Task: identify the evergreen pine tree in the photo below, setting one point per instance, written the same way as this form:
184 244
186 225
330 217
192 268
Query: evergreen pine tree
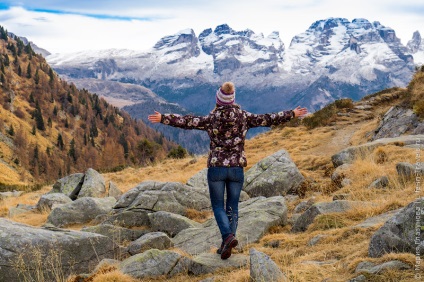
34 130
6 60
36 77
19 70
72 152
28 75
3 79
51 75
3 34
60 142
11 130
55 111
39 118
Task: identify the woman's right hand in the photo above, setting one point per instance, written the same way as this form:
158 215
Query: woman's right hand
155 118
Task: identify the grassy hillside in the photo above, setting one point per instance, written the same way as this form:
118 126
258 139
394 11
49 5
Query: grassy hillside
49 128
311 148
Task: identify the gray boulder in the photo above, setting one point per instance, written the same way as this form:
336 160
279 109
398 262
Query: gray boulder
407 171
116 233
256 216
8 194
151 263
316 239
199 180
128 218
376 220
164 196
372 268
82 210
399 234
69 185
395 122
309 215
170 223
276 175
65 251
48 200
263 268
381 182
349 154
209 263
114 191
93 185
153 240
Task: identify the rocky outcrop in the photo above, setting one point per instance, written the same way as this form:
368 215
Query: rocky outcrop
47 201
151 263
114 191
115 233
401 233
372 268
349 154
170 223
80 211
276 175
398 121
210 263
153 240
40 252
163 196
128 218
309 215
69 185
4 195
93 185
263 268
256 216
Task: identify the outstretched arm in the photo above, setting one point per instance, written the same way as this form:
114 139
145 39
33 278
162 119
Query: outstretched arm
255 120
185 122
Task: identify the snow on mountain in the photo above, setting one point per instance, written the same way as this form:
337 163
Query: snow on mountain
333 58
416 47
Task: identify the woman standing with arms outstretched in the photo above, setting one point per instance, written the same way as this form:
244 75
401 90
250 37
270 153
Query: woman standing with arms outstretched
226 126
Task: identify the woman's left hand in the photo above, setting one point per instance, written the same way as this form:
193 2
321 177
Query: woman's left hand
155 118
300 112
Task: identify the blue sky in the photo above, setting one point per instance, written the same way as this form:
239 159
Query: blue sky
67 26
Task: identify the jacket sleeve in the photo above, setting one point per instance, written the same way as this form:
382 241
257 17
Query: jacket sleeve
255 120
186 122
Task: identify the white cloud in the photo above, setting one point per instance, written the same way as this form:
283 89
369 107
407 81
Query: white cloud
67 32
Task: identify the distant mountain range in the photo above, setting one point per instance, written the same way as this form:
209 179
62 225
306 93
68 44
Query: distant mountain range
333 58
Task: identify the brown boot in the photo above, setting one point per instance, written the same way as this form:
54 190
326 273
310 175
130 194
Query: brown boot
219 251
229 243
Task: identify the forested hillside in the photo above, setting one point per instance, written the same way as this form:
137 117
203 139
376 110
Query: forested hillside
49 128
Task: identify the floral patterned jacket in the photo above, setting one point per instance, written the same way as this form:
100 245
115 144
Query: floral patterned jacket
227 127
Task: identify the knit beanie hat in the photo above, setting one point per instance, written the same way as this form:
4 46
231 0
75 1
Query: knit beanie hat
226 94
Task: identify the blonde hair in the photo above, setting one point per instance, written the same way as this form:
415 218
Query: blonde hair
228 87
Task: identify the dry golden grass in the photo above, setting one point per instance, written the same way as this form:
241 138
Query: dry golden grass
344 245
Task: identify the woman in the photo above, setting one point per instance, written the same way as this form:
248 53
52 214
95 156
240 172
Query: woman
227 126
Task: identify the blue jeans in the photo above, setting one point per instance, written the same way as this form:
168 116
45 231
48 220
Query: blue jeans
220 178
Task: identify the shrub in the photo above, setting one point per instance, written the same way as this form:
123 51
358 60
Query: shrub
178 153
322 117
344 103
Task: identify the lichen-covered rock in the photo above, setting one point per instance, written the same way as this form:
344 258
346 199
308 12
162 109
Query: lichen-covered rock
69 185
199 180
153 240
128 218
395 122
114 191
48 200
276 175
339 175
373 268
170 223
163 196
381 182
309 215
81 210
116 233
151 263
263 268
399 234
349 154
256 216
93 185
209 263
72 251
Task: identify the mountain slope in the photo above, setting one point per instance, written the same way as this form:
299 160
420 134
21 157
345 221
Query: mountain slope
49 128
